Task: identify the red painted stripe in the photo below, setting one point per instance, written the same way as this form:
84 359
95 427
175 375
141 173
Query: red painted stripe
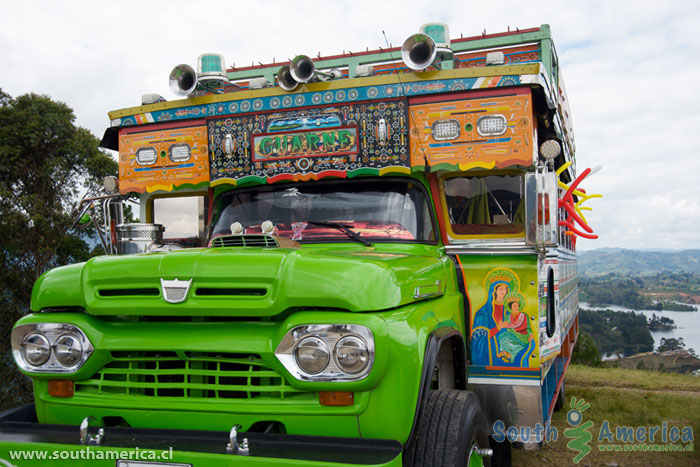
435 193
162 126
497 92
280 177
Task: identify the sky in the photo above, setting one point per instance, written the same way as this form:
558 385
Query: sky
631 70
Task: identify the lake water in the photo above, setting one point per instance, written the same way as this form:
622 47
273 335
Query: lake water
687 324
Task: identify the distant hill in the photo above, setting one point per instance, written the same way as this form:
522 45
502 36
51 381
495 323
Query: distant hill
637 262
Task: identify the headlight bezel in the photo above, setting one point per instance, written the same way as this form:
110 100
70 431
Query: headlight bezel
52 332
330 334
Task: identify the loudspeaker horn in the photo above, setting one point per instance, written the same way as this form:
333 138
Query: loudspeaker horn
285 79
183 80
418 52
302 68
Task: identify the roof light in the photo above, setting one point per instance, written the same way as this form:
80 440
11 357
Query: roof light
550 149
439 32
364 70
444 130
491 125
258 83
146 156
180 152
211 67
152 98
495 58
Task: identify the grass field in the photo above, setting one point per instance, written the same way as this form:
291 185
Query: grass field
629 398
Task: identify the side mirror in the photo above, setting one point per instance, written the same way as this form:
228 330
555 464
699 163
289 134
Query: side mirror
541 209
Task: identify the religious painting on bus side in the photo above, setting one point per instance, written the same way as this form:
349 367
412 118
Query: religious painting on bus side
163 157
310 143
479 130
504 325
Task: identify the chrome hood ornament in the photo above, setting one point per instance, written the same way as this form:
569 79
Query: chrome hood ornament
175 291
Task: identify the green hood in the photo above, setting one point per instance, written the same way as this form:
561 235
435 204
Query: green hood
245 281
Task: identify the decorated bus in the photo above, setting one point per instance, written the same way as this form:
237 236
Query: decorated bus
361 259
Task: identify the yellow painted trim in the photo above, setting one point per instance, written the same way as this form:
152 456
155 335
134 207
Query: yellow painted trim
395 169
552 355
159 187
223 181
477 72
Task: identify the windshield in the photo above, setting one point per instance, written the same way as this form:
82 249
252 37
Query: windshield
376 209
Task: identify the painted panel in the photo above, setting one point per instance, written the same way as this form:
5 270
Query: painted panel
260 101
504 316
568 291
312 143
550 346
338 142
163 174
463 148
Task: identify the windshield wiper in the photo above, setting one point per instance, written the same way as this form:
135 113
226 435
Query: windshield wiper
343 228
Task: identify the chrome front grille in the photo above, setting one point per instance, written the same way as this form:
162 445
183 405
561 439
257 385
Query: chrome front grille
188 375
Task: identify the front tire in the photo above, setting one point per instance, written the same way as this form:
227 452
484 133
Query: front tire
452 428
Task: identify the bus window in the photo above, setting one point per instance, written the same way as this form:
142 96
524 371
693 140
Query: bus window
485 205
184 218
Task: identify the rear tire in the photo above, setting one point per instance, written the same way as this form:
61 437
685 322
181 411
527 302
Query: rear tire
559 404
452 427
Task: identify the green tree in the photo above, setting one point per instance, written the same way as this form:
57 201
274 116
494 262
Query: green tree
45 162
586 352
671 343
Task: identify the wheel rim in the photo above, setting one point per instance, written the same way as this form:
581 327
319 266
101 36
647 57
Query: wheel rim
474 459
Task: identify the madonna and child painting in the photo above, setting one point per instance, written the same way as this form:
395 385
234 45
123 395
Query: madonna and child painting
501 333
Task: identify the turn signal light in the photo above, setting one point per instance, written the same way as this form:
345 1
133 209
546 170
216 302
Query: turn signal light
60 388
336 398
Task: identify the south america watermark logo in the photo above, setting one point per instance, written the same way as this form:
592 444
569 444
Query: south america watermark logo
662 437
579 432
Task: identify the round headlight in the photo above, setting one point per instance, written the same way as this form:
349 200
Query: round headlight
312 355
68 350
351 354
35 349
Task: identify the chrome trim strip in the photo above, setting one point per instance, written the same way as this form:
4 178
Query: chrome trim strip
509 382
428 290
488 248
